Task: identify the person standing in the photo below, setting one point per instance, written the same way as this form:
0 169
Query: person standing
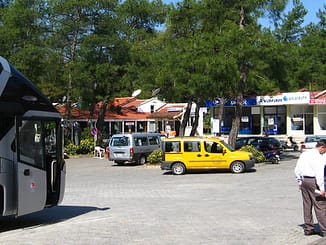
309 172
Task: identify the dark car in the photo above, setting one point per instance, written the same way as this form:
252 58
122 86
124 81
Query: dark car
261 143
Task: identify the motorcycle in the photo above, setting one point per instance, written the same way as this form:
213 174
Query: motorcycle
292 145
272 156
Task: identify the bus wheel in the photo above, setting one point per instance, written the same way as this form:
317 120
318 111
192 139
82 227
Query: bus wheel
178 168
142 160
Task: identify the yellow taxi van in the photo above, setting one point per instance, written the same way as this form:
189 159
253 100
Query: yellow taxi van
187 153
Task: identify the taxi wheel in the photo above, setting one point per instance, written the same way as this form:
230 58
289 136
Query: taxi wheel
178 168
237 167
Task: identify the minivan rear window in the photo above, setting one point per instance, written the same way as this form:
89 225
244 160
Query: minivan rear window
120 141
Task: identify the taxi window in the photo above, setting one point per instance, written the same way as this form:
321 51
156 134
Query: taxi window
172 146
213 147
191 146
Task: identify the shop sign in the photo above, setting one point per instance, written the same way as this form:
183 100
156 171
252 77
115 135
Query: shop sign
296 98
246 102
130 123
94 131
269 100
285 98
216 102
213 102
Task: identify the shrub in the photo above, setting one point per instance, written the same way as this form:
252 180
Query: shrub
86 146
259 156
155 157
71 149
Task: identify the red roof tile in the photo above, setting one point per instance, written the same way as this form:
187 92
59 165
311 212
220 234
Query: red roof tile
118 108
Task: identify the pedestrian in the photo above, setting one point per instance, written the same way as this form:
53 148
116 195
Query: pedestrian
309 173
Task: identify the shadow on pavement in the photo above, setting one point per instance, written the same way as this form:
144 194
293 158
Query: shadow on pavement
288 155
209 171
45 217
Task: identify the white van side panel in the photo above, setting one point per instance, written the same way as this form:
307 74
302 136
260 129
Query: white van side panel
130 147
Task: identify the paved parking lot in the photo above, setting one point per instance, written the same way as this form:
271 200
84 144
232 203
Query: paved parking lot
109 204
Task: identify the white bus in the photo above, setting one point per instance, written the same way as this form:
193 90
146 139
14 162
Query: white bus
32 166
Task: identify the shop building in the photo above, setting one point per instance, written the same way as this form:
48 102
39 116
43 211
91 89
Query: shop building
296 114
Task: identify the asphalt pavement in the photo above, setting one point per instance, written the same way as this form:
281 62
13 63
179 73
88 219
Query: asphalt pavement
109 204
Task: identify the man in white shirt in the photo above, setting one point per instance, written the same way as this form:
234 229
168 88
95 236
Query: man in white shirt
309 173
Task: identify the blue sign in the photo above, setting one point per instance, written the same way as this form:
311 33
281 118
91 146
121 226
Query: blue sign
216 102
94 131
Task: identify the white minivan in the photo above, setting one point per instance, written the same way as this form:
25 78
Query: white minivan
132 147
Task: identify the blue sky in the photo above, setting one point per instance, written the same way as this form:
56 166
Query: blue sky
311 5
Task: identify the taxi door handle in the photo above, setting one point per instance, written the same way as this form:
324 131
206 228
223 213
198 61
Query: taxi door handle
198 155
206 155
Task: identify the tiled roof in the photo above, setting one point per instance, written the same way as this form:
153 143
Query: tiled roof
125 109
126 102
165 115
169 111
318 95
112 112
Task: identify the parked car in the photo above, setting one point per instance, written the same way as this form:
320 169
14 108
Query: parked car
263 144
311 141
185 153
133 147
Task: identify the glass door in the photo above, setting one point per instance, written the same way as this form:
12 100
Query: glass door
53 155
31 174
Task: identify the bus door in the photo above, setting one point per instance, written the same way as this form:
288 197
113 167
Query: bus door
31 171
39 156
53 158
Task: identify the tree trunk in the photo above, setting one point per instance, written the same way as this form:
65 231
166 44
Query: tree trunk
185 119
238 109
241 86
221 109
100 123
195 123
236 121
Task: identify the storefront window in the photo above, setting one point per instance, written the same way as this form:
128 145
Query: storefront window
116 127
226 123
322 121
274 120
245 121
142 126
129 126
322 116
302 118
297 122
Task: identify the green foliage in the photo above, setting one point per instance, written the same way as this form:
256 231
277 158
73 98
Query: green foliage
155 157
259 156
91 50
86 134
86 147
